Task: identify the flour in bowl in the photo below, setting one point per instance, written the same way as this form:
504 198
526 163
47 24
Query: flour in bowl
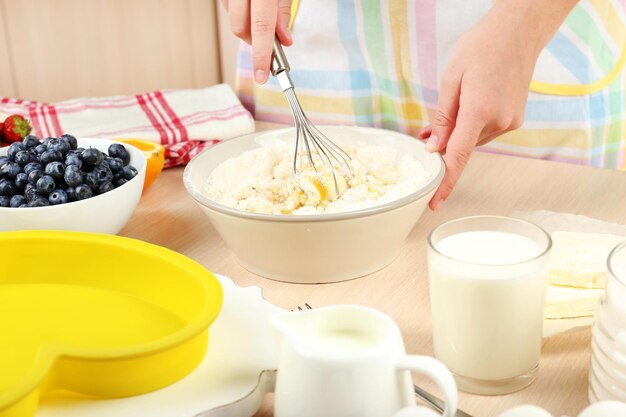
262 181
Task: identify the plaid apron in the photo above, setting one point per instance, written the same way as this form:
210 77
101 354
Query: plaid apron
378 63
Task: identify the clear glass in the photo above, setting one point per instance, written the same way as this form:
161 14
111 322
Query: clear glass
488 316
607 376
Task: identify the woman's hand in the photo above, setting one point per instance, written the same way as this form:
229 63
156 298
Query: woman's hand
257 22
484 86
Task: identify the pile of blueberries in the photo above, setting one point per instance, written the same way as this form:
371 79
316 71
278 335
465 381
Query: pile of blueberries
55 171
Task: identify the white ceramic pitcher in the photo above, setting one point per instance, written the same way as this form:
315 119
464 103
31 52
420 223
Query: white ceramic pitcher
347 361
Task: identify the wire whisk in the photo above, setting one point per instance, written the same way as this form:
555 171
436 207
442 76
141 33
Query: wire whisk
313 148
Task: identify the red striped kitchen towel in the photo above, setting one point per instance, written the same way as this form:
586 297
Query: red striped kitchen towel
184 121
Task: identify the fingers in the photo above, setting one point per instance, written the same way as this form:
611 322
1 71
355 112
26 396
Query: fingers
458 152
258 22
263 16
425 132
446 115
239 13
502 126
486 139
282 22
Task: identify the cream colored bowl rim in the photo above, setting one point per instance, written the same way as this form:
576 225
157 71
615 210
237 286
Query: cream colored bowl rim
301 218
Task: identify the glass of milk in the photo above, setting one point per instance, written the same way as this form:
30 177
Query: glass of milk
607 376
487 292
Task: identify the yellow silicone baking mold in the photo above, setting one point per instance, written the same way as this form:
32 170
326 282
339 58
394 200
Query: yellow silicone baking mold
98 315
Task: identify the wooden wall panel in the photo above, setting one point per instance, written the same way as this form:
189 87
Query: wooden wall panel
204 36
229 45
71 48
7 88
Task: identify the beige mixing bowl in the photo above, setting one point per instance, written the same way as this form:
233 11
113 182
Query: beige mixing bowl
323 247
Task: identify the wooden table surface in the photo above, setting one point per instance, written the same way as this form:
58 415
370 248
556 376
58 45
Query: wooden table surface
492 184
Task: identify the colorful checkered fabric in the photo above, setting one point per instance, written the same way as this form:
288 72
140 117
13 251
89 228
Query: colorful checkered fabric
378 63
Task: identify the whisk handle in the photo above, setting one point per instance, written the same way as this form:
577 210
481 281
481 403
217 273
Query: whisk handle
280 66
279 60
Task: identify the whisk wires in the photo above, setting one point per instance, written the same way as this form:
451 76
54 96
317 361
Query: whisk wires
310 141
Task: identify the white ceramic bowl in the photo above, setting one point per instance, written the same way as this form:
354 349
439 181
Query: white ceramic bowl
323 247
104 213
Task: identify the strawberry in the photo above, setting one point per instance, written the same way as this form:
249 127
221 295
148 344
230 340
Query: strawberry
15 128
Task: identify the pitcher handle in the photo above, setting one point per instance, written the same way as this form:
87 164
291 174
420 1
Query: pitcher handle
436 371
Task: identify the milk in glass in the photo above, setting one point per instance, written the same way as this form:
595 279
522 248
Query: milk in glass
487 292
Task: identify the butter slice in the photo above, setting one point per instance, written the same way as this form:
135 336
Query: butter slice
567 302
579 259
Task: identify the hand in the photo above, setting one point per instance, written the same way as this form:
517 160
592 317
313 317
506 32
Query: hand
257 22
484 87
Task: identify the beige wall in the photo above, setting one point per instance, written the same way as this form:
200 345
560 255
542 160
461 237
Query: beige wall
57 49
6 77
229 46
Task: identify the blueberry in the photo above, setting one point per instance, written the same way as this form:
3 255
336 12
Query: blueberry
91 180
60 146
17 200
91 156
47 141
58 197
39 202
7 188
39 149
73 175
115 164
22 158
4 160
14 149
10 170
30 141
79 150
71 140
55 170
117 150
73 159
105 187
30 193
34 176
45 185
130 172
120 181
82 192
32 166
103 173
71 193
21 180
51 156
5 201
